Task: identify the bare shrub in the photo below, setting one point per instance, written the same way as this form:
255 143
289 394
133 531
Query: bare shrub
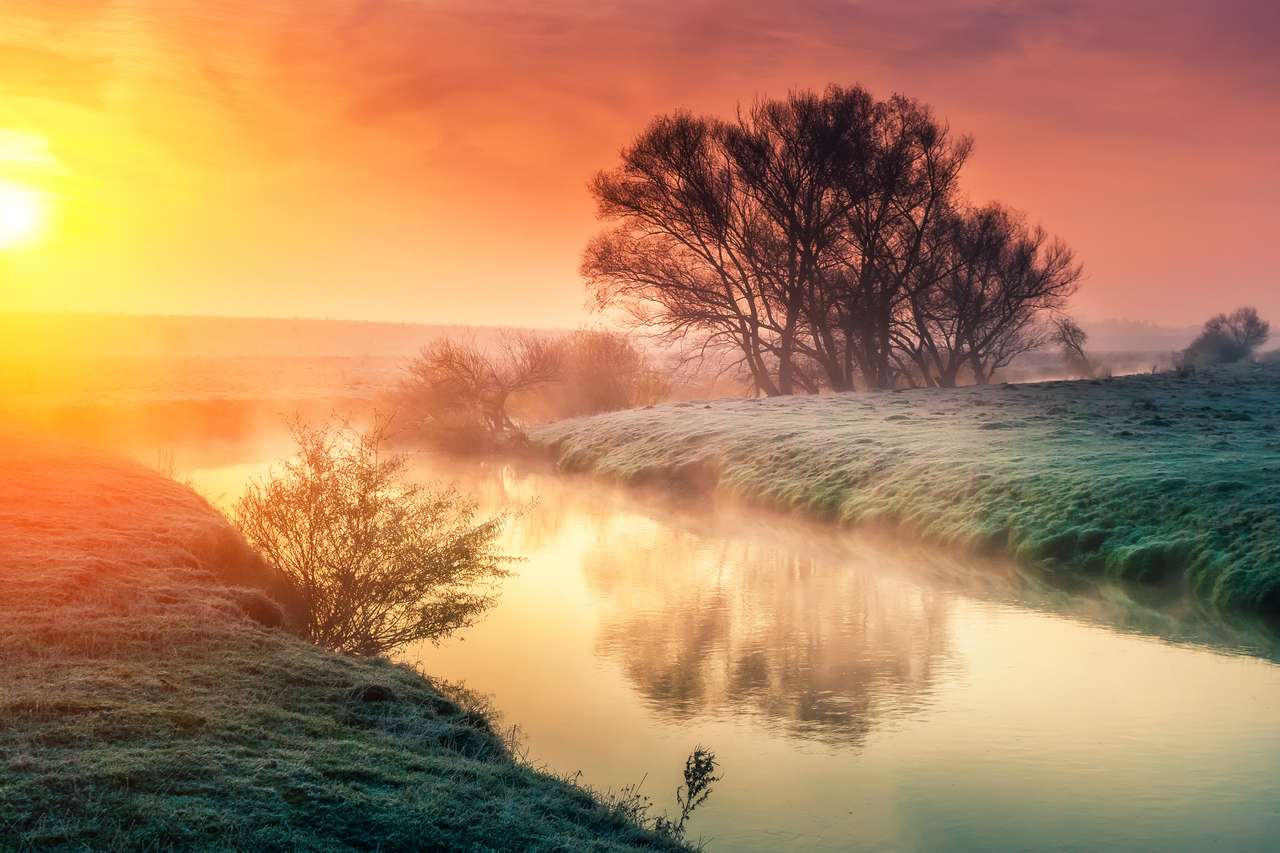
469 399
379 562
1228 338
458 394
604 371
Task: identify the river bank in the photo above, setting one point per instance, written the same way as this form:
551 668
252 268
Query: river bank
150 699
862 692
1171 483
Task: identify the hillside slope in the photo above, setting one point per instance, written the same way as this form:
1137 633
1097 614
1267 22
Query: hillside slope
1157 479
140 708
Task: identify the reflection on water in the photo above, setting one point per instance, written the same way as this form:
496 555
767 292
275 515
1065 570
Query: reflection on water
861 693
747 627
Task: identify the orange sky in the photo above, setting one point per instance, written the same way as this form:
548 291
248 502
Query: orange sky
427 159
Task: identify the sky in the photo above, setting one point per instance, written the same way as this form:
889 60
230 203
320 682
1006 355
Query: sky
427 160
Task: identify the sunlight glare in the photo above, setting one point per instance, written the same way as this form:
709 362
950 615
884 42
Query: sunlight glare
22 214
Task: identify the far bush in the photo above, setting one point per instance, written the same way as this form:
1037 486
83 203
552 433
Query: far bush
1228 338
378 561
465 397
458 393
604 371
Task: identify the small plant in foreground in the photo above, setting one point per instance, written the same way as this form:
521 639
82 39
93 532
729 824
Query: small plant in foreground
379 562
699 777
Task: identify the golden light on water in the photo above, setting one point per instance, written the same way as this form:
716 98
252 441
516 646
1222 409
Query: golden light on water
23 212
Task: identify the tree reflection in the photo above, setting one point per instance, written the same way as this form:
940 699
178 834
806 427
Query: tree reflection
746 626
822 633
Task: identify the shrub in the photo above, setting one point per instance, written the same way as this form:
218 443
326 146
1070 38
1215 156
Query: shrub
458 393
604 371
1228 338
466 398
378 562
1213 347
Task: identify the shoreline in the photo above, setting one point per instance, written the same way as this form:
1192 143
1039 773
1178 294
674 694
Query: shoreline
1113 479
146 706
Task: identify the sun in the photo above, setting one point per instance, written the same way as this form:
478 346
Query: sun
22 214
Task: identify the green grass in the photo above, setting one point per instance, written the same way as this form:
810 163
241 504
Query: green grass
1158 480
141 708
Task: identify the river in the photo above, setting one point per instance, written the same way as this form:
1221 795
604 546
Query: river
861 693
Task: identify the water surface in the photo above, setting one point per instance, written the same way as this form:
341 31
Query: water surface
861 694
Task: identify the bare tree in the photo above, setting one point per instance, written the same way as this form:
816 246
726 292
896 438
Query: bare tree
996 279
379 562
899 197
1071 339
1035 275
676 256
1243 326
459 392
820 238
794 159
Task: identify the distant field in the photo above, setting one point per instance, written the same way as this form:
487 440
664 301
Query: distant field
1170 483
118 379
44 337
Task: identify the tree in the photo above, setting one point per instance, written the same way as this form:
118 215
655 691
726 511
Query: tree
898 199
1228 338
678 255
1071 339
991 281
798 161
458 393
1243 326
821 240
378 561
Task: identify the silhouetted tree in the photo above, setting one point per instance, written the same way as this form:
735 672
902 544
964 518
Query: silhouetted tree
820 238
678 256
899 198
991 281
800 164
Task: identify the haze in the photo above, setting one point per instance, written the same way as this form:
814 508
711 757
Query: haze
427 161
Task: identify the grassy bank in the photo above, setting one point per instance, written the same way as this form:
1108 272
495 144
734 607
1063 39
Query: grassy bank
1165 481
145 701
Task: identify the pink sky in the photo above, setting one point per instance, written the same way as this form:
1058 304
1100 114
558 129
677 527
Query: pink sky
424 160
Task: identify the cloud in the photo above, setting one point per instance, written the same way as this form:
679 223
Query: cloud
1128 126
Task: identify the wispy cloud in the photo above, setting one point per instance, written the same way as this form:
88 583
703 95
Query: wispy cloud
1098 115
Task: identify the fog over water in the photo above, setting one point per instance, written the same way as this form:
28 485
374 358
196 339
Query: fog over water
859 691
